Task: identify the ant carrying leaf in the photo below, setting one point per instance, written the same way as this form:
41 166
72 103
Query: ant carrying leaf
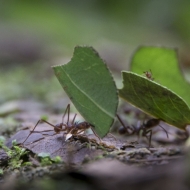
149 74
145 129
71 128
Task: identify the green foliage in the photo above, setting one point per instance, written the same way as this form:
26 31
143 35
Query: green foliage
45 159
155 99
164 94
44 117
15 155
46 90
164 66
182 22
57 159
90 86
2 140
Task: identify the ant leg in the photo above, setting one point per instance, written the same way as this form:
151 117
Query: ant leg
67 110
124 124
132 129
80 131
138 134
73 119
121 121
77 132
71 130
112 136
164 130
32 130
96 134
70 134
49 124
36 126
150 137
186 133
68 113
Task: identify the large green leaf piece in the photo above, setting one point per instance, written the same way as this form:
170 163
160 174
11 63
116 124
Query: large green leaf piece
90 86
155 99
163 62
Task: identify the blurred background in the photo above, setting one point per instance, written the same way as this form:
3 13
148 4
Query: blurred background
35 35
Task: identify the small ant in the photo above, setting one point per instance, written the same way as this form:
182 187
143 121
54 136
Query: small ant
71 128
143 129
149 74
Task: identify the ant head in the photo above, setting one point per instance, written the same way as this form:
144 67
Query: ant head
122 130
58 127
152 123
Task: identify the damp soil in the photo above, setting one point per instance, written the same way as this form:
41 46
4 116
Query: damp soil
114 162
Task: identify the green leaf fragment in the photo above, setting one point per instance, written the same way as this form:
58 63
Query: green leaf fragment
164 65
90 86
155 99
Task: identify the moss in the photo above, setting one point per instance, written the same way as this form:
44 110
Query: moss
15 154
45 159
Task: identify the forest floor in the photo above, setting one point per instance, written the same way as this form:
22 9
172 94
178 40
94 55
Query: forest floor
84 161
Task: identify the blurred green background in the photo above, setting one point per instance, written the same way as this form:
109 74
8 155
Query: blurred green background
34 35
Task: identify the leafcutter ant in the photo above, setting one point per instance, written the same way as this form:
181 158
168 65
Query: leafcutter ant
71 128
145 129
149 74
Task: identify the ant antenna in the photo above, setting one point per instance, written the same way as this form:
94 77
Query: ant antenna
74 119
121 121
57 129
36 126
68 108
124 124
164 131
95 132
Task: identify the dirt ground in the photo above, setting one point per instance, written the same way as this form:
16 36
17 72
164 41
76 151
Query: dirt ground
114 162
